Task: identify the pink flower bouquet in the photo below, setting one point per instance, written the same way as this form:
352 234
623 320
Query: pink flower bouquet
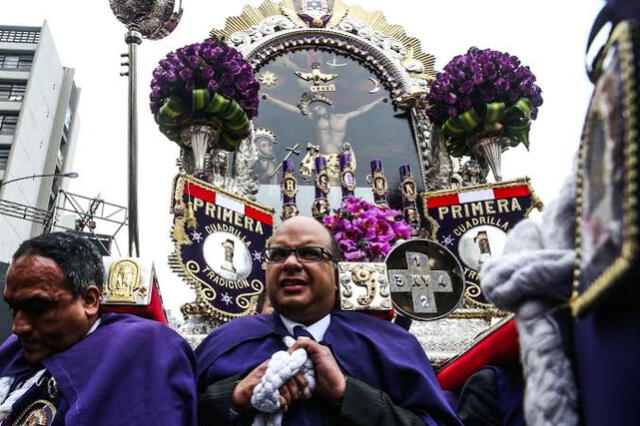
366 232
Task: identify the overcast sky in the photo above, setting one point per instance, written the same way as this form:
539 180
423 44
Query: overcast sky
549 36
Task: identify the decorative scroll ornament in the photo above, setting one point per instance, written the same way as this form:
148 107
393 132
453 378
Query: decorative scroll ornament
473 222
270 19
364 286
425 278
222 259
154 19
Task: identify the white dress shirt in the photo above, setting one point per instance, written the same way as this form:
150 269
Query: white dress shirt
317 329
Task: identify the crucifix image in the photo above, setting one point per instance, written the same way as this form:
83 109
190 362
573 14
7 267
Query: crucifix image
330 127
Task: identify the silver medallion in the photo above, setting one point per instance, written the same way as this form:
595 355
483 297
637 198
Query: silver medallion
425 279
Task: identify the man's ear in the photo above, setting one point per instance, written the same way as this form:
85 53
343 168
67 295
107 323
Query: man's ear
91 300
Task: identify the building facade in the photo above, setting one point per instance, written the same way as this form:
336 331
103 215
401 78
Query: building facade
38 119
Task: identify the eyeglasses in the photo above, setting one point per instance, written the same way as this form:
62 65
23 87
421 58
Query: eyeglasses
305 254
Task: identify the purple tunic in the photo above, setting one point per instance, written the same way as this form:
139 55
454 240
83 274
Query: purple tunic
129 371
376 352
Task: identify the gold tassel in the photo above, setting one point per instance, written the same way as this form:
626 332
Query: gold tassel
190 218
178 232
179 208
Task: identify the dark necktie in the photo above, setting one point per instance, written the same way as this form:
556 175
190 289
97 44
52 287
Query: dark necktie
300 331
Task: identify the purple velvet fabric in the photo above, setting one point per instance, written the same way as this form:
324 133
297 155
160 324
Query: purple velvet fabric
625 9
510 394
129 371
607 358
374 351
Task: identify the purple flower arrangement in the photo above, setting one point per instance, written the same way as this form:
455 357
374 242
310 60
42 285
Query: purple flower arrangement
208 65
478 79
365 231
202 81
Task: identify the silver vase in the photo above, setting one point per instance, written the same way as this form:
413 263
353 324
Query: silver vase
200 138
491 149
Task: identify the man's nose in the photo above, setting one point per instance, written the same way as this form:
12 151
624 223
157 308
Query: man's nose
21 324
292 262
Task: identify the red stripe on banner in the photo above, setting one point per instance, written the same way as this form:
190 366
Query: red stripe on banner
511 191
258 215
200 192
442 200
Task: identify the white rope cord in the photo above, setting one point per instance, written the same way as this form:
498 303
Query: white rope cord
282 367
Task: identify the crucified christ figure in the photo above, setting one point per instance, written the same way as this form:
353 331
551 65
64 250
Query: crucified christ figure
331 128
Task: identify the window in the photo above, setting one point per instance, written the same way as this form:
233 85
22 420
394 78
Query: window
4 156
8 123
19 36
12 91
19 61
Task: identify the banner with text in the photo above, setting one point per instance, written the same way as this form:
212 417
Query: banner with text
473 222
219 238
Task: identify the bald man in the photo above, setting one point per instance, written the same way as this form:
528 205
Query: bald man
368 371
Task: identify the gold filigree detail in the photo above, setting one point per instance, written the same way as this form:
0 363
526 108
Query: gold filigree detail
204 293
37 416
474 290
378 22
250 17
253 16
622 37
124 281
289 184
362 277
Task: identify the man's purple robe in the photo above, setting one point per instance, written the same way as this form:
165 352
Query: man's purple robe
371 350
128 371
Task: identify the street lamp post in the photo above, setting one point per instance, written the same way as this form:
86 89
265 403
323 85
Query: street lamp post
154 20
50 212
71 175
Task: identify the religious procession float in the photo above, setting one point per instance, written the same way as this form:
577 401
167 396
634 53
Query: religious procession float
327 110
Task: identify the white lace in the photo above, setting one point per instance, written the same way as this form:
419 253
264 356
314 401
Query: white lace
282 367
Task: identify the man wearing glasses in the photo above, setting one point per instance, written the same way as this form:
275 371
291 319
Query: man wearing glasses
367 371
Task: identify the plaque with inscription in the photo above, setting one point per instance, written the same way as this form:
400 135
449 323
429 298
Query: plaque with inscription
219 238
473 223
425 279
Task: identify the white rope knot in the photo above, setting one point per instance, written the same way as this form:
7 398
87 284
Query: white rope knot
281 367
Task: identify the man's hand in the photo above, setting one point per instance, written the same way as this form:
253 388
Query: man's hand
330 382
293 389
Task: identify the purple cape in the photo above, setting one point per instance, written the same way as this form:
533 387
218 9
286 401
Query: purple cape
129 371
374 351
